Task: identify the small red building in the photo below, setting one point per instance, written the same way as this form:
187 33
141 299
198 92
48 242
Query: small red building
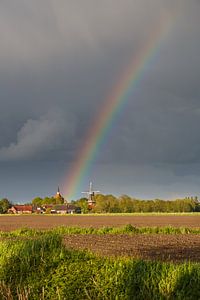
21 209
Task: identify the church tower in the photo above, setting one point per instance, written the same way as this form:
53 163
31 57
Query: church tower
59 196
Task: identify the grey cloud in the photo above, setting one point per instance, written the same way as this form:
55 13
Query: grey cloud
35 32
69 55
164 129
38 138
168 181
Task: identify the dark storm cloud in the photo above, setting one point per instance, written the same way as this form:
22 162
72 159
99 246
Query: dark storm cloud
60 60
38 138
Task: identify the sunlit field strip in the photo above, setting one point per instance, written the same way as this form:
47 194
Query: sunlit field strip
110 214
127 229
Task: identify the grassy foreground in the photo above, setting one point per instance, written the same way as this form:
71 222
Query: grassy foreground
42 268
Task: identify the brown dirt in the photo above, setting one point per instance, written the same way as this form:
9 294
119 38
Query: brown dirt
162 247
8 223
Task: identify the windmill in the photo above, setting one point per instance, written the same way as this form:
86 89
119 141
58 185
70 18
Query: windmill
90 196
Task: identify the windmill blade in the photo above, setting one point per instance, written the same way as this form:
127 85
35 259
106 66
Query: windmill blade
91 195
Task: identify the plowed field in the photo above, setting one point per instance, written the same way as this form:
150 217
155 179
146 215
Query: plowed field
154 246
146 246
8 223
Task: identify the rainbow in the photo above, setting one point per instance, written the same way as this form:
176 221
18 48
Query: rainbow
114 104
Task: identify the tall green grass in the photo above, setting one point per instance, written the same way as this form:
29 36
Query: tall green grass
127 229
42 268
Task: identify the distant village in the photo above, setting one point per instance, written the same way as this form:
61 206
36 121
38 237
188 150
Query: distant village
62 208
52 205
95 202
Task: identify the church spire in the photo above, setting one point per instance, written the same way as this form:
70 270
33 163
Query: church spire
59 196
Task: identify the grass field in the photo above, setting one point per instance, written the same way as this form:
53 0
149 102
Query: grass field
43 268
62 257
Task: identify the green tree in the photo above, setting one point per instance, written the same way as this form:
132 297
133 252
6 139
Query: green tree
106 204
37 201
83 204
113 204
4 205
101 205
126 204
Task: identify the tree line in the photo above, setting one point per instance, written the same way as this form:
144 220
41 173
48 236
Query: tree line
122 204
38 201
126 204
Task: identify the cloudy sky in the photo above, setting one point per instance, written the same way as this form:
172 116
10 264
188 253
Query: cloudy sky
59 60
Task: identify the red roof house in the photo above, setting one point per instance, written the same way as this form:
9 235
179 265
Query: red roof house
21 209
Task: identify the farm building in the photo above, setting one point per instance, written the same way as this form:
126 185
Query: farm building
65 209
59 209
21 209
72 209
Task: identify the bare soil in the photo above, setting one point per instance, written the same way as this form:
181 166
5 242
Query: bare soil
8 223
161 247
